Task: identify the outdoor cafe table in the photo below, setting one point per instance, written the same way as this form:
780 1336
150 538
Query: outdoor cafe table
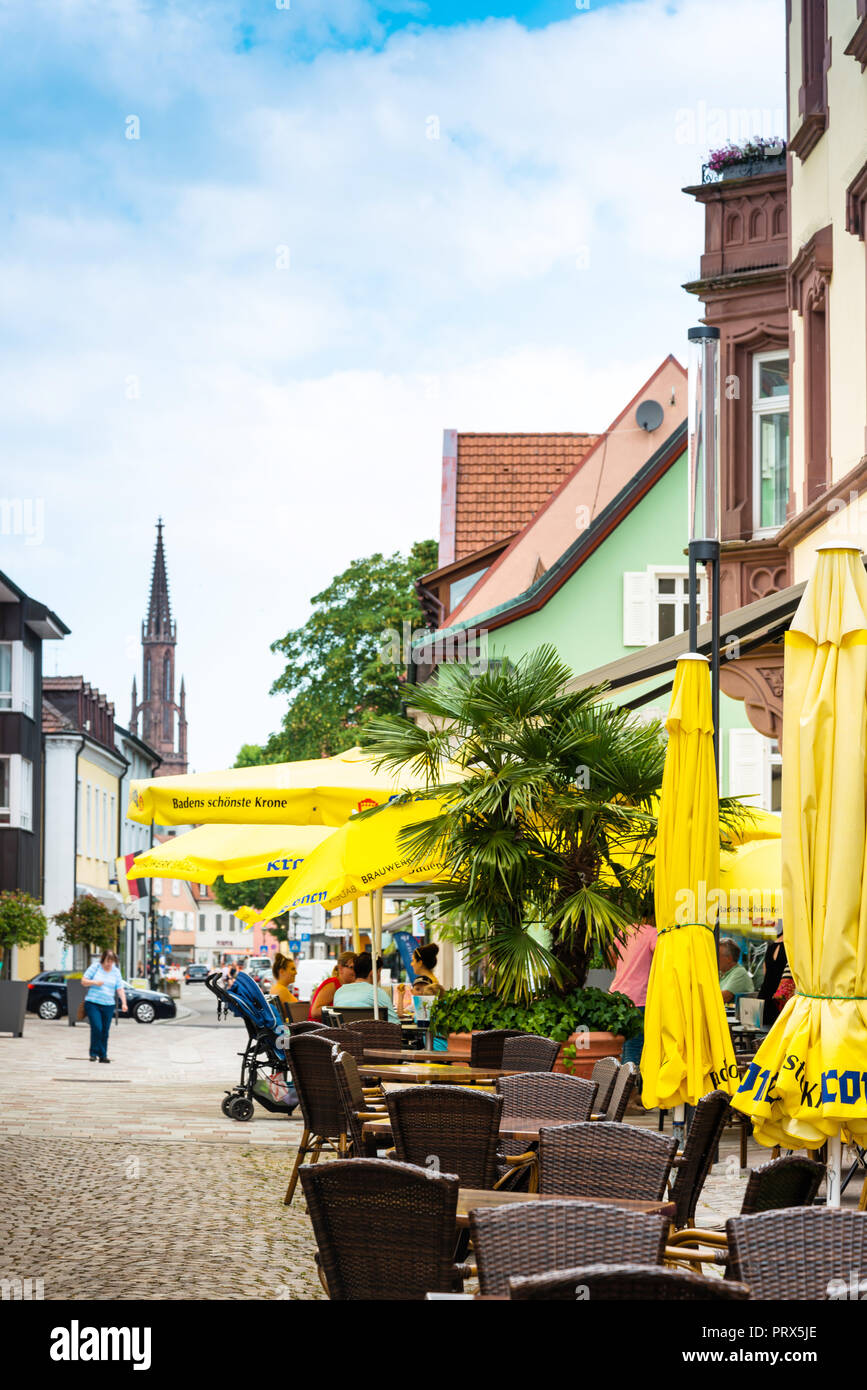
413 1054
472 1198
427 1072
520 1128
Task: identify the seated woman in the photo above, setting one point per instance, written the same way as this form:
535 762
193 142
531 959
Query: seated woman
426 984
323 998
284 971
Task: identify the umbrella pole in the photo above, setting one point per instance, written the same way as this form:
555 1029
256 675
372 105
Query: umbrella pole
833 1172
356 934
678 1121
376 935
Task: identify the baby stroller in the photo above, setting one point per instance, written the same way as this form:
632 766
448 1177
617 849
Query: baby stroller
264 1073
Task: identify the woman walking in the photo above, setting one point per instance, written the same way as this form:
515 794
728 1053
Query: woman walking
99 1002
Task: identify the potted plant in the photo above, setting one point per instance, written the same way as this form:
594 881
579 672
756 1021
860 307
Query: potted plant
755 156
22 923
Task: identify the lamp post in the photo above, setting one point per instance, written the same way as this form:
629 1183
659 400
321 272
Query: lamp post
704 495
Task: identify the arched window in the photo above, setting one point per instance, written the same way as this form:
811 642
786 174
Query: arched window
167 679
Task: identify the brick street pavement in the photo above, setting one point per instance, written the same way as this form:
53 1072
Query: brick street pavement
126 1181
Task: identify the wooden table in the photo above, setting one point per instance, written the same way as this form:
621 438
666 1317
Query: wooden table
414 1054
526 1131
471 1199
426 1072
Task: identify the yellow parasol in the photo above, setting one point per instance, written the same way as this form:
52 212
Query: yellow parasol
809 1080
687 1044
233 852
751 888
315 791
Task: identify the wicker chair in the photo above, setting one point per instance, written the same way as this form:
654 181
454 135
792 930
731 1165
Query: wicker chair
378 1032
357 1105
621 1092
692 1166
806 1253
486 1049
294 1030
529 1052
549 1095
600 1159
605 1073
537 1237
348 1039
625 1283
455 1126
774 1186
384 1230
312 1065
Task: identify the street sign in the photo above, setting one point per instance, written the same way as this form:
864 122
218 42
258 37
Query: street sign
305 936
295 947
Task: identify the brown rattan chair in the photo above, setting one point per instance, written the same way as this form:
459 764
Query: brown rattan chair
548 1095
312 1066
621 1092
294 1030
384 1230
605 1073
348 1039
452 1128
692 1166
600 1159
629 1283
529 1052
538 1237
808 1253
486 1048
377 1032
774 1186
357 1105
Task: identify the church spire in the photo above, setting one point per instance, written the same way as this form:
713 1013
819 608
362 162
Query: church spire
159 626
163 721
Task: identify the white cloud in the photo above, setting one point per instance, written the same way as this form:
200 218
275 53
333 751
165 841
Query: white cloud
520 272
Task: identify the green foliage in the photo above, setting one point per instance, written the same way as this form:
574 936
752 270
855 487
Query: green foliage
346 664
88 922
254 892
551 826
22 923
553 1016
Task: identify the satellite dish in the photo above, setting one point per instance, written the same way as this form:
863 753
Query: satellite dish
649 415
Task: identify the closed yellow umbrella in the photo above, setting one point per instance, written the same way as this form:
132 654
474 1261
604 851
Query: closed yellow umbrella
233 852
362 856
313 791
809 1078
687 1044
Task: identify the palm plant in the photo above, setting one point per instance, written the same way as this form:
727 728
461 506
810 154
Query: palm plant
547 815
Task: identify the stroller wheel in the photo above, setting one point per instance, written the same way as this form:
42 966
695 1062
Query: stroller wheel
225 1105
240 1108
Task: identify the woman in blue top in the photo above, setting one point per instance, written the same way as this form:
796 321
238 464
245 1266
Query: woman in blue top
99 1002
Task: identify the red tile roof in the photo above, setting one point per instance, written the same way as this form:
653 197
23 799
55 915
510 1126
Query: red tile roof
503 480
53 722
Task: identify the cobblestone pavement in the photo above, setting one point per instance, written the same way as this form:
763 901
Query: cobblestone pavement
127 1182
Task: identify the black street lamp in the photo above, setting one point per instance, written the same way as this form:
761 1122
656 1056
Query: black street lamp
704 495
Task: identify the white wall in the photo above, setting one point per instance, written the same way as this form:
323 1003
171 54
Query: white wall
61 771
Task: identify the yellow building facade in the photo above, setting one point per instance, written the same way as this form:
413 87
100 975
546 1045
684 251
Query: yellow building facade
827 94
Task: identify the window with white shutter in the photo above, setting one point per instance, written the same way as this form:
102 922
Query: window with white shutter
748 751
28 685
25 804
637 596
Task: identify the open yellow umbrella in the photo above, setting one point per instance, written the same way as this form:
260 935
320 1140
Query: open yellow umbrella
313 791
687 1044
809 1078
360 857
751 886
233 852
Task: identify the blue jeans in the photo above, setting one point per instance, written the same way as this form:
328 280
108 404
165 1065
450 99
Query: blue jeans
632 1048
99 1017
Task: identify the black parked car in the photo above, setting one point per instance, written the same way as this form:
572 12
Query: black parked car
46 996
196 974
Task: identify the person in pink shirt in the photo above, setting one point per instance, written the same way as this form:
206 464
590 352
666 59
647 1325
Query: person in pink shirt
633 958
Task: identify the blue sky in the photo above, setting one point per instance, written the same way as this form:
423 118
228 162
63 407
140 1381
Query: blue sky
338 230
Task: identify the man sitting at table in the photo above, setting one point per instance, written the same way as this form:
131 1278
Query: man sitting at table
733 978
359 994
